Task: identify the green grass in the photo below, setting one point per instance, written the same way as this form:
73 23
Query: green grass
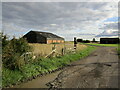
118 49
10 77
42 65
108 45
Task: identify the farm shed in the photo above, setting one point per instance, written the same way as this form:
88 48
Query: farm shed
109 40
43 37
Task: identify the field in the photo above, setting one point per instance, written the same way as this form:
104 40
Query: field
44 49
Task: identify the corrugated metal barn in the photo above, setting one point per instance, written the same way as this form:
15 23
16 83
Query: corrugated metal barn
109 40
43 37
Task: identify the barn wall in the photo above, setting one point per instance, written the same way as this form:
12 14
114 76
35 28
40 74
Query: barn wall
62 41
55 41
49 41
31 37
41 39
59 41
109 40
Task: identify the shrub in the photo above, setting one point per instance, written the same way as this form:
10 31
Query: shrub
12 51
86 41
5 40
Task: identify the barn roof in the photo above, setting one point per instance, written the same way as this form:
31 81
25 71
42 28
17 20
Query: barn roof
48 35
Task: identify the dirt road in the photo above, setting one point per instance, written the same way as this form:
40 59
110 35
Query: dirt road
99 70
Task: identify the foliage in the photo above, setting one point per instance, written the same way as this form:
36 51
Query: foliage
5 40
86 41
79 40
10 77
30 70
94 40
12 51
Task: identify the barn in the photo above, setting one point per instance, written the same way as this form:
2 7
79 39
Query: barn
109 40
43 37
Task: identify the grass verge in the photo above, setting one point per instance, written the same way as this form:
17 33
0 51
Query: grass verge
118 49
42 65
108 45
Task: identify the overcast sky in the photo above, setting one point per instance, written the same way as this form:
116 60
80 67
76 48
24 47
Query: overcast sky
67 19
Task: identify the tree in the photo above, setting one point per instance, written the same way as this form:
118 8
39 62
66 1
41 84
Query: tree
79 40
93 39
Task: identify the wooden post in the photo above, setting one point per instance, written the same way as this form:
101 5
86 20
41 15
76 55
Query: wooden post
62 51
54 47
75 43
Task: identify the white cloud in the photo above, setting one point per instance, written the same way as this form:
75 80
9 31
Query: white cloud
53 24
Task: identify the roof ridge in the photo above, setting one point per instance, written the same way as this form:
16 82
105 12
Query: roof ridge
48 34
40 31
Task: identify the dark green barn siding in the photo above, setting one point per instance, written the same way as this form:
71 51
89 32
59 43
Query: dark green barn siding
109 40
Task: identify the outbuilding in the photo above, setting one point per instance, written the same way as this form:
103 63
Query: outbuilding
109 40
43 37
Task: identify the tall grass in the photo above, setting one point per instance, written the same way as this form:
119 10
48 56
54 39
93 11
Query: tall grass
44 49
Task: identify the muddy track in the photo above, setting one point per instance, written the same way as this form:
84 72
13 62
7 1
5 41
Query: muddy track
99 70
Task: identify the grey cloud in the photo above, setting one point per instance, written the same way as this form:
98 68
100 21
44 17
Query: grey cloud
107 34
0 16
43 13
113 26
67 16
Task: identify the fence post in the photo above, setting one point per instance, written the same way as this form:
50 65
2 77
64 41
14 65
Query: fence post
75 43
63 51
54 47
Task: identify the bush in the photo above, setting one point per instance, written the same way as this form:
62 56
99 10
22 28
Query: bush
12 50
86 41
